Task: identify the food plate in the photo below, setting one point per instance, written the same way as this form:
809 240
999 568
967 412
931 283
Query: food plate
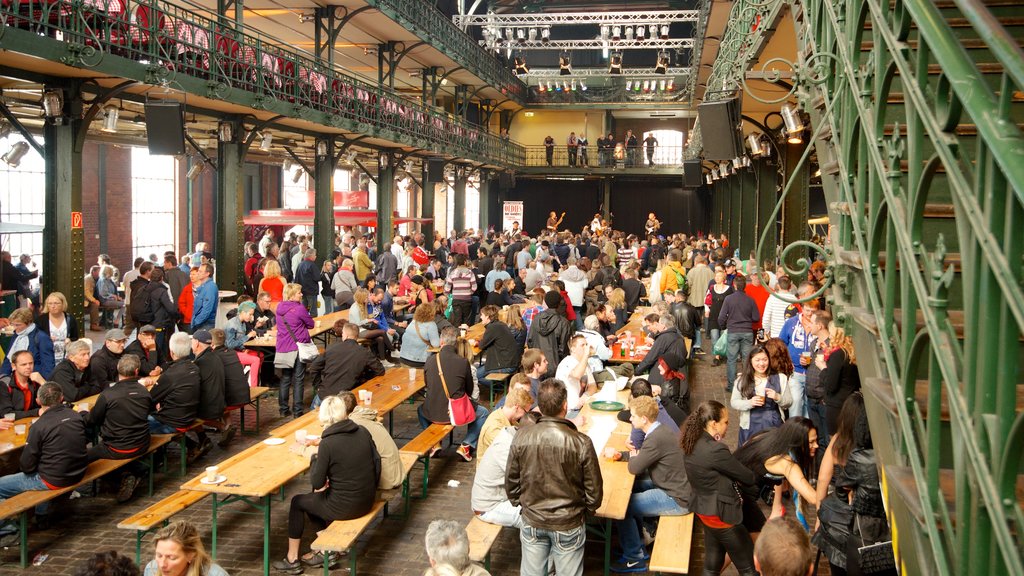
312 438
607 405
274 441
220 478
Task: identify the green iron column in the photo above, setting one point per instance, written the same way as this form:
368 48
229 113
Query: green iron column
427 207
767 196
606 197
63 258
459 223
794 209
488 194
228 228
323 198
385 198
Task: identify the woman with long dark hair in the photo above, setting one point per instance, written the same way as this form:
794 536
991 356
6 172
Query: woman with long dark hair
759 395
712 471
783 454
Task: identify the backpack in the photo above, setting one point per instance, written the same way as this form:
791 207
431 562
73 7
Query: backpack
680 278
140 307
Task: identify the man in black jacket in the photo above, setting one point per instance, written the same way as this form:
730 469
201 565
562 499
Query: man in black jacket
165 313
667 339
55 452
176 394
344 365
500 349
550 332
121 414
103 364
144 347
634 290
18 391
553 473
687 318
738 314
72 373
236 383
211 385
307 275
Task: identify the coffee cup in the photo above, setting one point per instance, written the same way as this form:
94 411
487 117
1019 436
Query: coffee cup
19 429
300 436
211 473
368 399
362 395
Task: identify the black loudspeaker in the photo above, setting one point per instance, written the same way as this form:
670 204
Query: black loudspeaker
165 128
692 174
435 170
505 181
720 129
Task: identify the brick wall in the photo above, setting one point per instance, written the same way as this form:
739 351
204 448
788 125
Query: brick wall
107 168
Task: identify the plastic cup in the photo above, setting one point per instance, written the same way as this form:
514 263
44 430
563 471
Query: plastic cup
19 429
211 473
82 407
368 399
300 436
362 395
412 374
10 416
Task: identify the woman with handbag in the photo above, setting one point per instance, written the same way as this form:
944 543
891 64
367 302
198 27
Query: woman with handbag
851 516
449 389
367 316
420 336
714 474
293 342
759 396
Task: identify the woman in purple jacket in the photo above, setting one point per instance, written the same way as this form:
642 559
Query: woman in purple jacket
293 324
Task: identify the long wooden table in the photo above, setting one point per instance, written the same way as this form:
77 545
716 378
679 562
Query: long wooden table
322 325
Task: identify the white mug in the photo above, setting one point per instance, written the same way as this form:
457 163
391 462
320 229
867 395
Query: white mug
211 473
300 436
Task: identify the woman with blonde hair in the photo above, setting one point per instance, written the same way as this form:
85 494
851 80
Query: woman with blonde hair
839 376
513 316
367 316
617 300
56 323
293 324
179 551
273 282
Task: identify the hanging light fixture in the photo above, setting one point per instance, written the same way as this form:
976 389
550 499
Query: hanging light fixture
640 31
647 85
724 169
520 66
636 85
226 132
708 179
671 84
321 149
629 33
604 32
545 35
616 33
541 87
664 31
629 85
714 175
615 63
558 87
267 139
196 169
297 175
794 125
662 66
5 128
53 103
13 156
533 34
573 85
351 156
737 163
565 85
662 85
521 35
550 89
287 164
754 142
564 65
583 85
111 113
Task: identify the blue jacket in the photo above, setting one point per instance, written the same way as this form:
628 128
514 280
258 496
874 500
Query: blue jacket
308 276
41 348
204 305
797 341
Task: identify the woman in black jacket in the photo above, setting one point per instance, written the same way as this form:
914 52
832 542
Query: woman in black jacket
712 471
839 376
344 474
56 323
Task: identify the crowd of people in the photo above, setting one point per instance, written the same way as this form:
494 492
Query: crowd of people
551 306
609 150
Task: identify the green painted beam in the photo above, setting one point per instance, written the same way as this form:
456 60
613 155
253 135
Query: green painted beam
385 199
228 229
323 198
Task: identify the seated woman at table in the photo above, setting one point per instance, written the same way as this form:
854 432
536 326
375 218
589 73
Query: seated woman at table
366 315
273 282
420 336
56 323
418 293
617 300
344 474
344 285
178 551
235 337
28 337
109 298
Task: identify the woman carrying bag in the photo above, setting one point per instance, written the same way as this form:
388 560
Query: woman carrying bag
449 389
293 324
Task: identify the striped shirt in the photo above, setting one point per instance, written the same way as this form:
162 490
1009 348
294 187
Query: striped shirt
461 283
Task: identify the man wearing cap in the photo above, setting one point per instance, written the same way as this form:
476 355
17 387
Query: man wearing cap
145 348
121 414
211 385
103 364
204 299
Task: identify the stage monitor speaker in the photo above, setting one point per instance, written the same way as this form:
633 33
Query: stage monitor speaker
692 177
720 129
165 128
435 170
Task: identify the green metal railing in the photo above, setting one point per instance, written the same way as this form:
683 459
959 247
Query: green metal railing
919 108
162 43
430 25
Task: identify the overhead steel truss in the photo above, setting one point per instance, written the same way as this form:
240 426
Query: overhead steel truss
548 19
591 44
603 72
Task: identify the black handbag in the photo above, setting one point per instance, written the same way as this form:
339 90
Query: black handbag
864 557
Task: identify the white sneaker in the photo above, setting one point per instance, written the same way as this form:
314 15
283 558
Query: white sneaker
387 364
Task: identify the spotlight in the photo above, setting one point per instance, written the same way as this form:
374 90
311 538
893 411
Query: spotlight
266 141
545 35
615 63
746 161
723 169
583 85
540 87
616 33
662 66
510 33
794 124
664 31
520 66
604 32
714 175
564 65
636 85
550 89
196 170
737 163
647 85
662 86
110 119
671 84
53 103
573 86
629 85
521 35
654 30
708 179
629 32
226 132
565 85
558 87
533 34
351 156
303 18
297 175
13 156
755 144
287 164
640 30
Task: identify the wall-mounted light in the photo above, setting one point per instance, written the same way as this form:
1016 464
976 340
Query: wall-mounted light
754 142
196 169
53 103
111 113
226 132
266 140
321 149
305 17
793 123
13 156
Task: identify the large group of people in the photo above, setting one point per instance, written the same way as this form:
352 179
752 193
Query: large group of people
551 307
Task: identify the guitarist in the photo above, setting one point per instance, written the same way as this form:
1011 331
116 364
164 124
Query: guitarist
653 225
553 222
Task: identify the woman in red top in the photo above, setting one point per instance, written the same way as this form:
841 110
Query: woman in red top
186 299
273 283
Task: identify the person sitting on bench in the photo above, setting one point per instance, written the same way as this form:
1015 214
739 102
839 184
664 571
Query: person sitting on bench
55 453
176 394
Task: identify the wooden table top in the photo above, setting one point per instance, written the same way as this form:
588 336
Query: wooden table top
635 357
635 323
256 471
618 482
11 442
323 324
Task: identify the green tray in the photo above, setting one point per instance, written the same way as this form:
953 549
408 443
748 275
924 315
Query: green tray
607 406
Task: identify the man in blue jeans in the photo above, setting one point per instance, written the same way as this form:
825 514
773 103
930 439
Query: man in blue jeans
661 487
553 474
738 315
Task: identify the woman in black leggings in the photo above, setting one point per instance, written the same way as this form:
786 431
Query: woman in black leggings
712 470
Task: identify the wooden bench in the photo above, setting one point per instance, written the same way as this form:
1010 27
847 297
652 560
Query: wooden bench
408 460
255 393
341 536
494 378
482 536
157 515
20 504
672 545
422 444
